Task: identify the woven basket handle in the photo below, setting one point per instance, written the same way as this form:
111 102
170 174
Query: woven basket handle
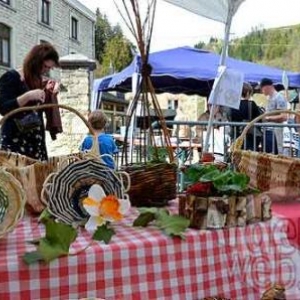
237 145
95 147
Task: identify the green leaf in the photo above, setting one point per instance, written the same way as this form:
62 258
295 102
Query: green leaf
103 233
144 219
152 210
162 213
194 172
32 257
210 176
173 225
56 243
61 234
44 216
50 251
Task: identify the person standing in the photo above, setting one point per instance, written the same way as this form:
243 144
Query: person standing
24 132
273 136
247 111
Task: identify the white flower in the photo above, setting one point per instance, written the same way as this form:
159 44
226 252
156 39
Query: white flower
102 208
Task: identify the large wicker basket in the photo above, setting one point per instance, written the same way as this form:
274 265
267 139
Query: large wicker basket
30 172
275 174
152 184
12 201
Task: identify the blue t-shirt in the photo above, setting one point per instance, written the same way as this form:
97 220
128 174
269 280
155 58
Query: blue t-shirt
106 146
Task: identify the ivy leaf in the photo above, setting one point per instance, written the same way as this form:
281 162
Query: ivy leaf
56 243
162 213
50 251
60 234
103 233
152 210
173 225
32 257
144 219
44 216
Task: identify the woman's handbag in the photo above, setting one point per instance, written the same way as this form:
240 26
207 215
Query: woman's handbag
29 122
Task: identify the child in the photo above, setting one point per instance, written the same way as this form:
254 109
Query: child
98 120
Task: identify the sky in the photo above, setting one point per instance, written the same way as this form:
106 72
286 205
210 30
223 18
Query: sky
174 26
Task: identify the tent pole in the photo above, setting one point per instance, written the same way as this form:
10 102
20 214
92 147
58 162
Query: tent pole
221 63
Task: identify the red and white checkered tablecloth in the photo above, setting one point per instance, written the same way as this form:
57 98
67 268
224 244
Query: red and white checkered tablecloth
143 263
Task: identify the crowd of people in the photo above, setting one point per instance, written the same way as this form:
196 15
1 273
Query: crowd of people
268 139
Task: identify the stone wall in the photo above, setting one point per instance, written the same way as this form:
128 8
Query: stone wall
75 92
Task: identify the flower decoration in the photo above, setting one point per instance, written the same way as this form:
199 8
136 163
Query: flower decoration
103 208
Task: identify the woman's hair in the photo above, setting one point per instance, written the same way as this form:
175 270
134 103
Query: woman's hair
247 90
98 119
33 63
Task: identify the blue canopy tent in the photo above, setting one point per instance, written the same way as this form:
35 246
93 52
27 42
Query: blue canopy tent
190 71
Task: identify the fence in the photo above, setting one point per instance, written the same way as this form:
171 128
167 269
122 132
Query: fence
187 149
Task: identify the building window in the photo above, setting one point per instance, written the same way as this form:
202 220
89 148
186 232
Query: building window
4 45
45 12
74 28
172 104
5 1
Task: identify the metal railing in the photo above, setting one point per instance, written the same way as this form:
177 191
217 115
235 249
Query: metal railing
188 148
226 133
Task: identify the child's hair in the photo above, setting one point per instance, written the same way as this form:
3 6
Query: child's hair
98 119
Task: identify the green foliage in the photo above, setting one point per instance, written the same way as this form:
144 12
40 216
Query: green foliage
196 171
144 219
278 47
117 54
214 45
225 182
158 154
103 233
200 45
104 31
56 243
171 225
112 49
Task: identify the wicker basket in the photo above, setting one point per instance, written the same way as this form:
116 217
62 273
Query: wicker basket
152 184
64 190
30 172
278 175
12 201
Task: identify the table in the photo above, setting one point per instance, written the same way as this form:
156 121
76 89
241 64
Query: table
238 263
290 211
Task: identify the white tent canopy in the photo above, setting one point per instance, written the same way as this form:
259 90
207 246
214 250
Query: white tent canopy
218 10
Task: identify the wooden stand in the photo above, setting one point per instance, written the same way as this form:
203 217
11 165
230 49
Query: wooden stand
227 211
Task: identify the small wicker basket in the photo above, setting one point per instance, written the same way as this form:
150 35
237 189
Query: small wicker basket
152 184
276 174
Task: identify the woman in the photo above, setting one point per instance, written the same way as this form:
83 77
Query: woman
24 132
247 111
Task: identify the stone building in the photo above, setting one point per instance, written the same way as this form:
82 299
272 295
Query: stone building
67 24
